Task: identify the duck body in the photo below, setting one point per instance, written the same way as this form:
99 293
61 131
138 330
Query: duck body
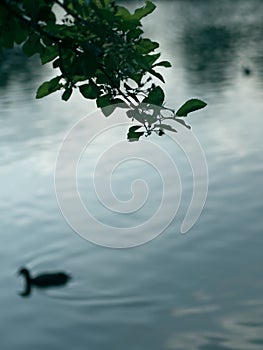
44 280
246 71
50 279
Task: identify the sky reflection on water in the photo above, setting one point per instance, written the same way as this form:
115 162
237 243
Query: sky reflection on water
200 291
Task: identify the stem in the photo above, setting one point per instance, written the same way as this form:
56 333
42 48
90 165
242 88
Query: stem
21 16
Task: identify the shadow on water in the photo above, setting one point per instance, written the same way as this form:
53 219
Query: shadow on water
14 65
44 280
209 53
221 40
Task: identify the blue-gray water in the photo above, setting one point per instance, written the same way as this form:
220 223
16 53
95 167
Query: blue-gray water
202 290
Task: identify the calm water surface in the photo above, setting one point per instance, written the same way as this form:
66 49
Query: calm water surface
203 290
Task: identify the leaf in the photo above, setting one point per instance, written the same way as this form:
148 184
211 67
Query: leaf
134 33
107 15
146 46
77 78
137 78
49 54
150 59
107 3
163 64
190 106
32 45
134 135
3 13
32 8
155 97
67 93
119 101
103 101
157 75
108 105
48 87
128 21
144 11
56 63
134 128
86 64
21 32
124 13
90 90
7 41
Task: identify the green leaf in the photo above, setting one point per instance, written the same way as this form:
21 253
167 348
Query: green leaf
163 64
134 135
90 90
146 61
103 101
56 63
155 97
21 32
137 78
106 14
190 106
49 54
107 100
67 93
31 8
134 33
32 45
128 21
7 40
106 3
3 13
77 78
124 13
150 59
157 75
134 128
86 64
144 11
108 104
146 46
48 87
102 78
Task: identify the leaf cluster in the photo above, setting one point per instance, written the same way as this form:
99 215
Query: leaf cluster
152 117
97 45
98 48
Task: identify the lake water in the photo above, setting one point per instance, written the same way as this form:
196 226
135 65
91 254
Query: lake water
202 290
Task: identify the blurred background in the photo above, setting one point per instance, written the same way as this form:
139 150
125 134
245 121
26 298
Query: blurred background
199 291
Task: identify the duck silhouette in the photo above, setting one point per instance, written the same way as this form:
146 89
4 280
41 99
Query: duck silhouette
45 280
246 71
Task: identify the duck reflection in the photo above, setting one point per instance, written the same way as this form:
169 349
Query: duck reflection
210 54
45 280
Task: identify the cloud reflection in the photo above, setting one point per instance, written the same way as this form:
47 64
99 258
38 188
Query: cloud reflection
240 331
